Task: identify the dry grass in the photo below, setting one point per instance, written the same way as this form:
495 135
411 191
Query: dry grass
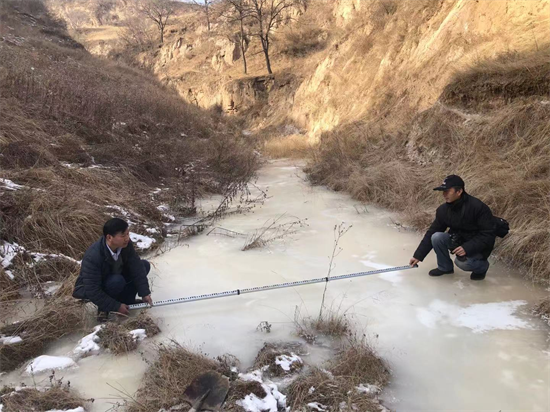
9 288
57 397
293 147
168 377
83 134
239 390
331 324
543 310
58 318
116 336
500 147
355 364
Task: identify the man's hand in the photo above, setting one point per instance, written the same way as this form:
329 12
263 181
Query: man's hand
148 299
459 251
124 309
413 262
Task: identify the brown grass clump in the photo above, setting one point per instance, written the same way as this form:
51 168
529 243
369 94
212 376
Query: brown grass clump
355 364
56 319
267 357
293 147
116 337
168 377
57 397
331 324
239 390
143 321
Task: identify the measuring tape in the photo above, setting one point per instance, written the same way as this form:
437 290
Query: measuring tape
268 287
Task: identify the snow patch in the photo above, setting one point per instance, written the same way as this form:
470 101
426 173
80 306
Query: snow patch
142 242
152 230
317 406
368 389
285 361
47 363
138 334
9 340
9 185
8 251
88 344
272 402
79 409
479 318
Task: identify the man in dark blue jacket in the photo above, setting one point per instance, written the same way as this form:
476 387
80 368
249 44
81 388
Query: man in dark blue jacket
112 273
471 235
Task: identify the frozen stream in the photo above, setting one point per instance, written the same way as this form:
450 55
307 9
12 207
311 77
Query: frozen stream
453 344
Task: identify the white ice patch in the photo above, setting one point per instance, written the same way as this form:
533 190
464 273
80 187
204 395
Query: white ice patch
368 389
138 334
8 184
252 376
140 241
51 287
88 344
79 409
392 277
152 230
47 363
10 340
285 361
163 208
8 251
479 318
317 406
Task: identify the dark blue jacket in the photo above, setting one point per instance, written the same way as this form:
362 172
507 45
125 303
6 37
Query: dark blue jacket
96 266
470 218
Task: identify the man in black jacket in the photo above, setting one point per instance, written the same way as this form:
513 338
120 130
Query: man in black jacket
112 273
471 236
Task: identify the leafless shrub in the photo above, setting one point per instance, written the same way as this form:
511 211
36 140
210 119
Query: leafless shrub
272 231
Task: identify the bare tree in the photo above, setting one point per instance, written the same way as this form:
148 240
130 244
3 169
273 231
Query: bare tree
159 11
206 4
239 11
267 14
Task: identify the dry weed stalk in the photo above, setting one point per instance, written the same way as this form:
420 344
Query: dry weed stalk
272 231
339 231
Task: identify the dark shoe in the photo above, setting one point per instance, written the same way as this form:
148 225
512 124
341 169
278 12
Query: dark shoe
478 276
437 272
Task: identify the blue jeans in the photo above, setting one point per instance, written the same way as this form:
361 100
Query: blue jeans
121 289
441 242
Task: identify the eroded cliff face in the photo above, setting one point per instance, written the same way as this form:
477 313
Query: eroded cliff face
398 56
379 58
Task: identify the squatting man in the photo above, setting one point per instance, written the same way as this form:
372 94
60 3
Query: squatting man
112 273
471 235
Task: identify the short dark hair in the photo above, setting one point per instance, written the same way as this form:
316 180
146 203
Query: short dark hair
114 226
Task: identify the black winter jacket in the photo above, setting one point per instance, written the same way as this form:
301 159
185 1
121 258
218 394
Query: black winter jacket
96 266
470 218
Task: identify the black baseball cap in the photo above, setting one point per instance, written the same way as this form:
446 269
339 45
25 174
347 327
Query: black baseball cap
451 181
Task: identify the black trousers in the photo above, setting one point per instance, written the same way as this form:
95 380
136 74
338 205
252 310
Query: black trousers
121 288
